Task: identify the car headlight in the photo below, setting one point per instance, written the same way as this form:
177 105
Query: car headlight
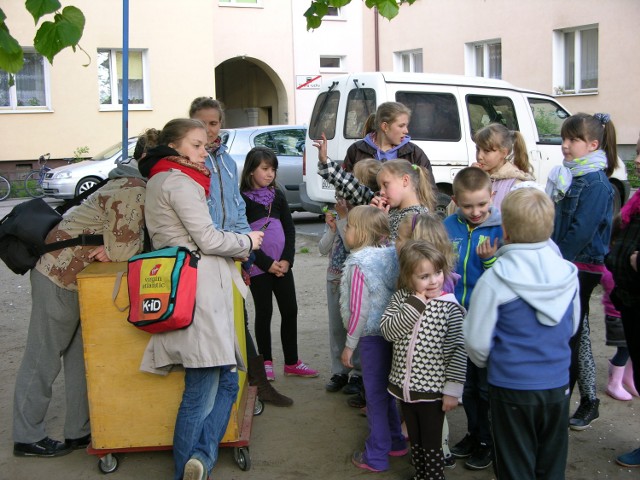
63 174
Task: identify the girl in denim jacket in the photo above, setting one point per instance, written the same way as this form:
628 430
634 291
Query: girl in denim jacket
582 228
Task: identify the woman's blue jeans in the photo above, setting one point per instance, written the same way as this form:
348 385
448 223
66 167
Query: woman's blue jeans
209 394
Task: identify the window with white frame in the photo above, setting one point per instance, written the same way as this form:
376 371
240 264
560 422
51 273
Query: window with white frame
30 90
110 79
240 3
484 59
575 66
331 63
408 61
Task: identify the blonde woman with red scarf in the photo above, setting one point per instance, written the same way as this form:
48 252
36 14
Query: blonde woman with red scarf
177 215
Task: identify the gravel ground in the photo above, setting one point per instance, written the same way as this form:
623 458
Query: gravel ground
311 440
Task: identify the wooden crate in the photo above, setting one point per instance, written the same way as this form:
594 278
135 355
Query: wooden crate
128 407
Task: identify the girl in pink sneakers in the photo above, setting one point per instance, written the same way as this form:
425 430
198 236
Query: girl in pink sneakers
368 281
270 270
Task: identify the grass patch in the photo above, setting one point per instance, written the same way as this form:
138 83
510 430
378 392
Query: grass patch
631 174
304 250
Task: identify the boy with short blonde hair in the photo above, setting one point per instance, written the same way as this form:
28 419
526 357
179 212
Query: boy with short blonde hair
529 216
522 314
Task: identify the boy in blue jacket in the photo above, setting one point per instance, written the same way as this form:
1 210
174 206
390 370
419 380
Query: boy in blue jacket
522 314
475 232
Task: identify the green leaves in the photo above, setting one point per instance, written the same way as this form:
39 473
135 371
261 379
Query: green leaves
39 8
51 37
65 31
319 8
10 51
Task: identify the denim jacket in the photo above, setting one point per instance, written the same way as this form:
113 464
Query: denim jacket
226 206
582 225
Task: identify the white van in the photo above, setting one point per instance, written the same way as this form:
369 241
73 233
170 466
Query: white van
446 112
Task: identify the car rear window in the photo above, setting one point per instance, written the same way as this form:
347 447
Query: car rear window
283 142
361 103
324 116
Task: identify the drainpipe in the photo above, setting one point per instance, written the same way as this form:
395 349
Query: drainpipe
376 39
125 81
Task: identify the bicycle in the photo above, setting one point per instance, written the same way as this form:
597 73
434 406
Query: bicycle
33 182
5 188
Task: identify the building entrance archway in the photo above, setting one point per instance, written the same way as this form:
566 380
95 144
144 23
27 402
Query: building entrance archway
251 92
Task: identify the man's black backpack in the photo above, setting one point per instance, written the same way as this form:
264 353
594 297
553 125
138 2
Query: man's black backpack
24 229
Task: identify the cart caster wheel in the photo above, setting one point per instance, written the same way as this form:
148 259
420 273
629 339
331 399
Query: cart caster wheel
108 463
258 407
242 457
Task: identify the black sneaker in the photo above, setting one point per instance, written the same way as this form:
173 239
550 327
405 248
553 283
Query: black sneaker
78 443
354 386
464 448
450 462
47 447
336 383
586 413
357 401
481 458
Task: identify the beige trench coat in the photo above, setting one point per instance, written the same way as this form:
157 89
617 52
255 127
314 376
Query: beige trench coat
176 214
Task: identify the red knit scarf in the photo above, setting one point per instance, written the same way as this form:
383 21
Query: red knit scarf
198 172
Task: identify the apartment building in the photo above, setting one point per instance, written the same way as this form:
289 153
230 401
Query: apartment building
586 53
240 51
259 59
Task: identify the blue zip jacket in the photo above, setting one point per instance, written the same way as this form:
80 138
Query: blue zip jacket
523 312
582 225
226 206
465 241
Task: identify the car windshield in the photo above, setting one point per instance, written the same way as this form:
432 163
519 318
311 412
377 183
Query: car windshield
112 151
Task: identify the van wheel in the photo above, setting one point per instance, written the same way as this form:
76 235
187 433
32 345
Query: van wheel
442 202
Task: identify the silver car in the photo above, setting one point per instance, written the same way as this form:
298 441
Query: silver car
287 142
71 180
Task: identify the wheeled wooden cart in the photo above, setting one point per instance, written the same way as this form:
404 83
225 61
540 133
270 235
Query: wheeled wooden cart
131 410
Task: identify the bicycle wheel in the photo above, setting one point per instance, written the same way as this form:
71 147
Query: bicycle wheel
5 188
33 185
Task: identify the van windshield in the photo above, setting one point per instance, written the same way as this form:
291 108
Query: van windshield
434 116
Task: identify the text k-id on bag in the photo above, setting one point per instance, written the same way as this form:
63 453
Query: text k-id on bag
162 289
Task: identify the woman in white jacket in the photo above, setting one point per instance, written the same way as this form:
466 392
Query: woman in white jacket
177 215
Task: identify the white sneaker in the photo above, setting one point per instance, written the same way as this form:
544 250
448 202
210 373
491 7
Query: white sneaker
194 470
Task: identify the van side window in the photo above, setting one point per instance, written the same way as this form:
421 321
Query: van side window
324 115
549 117
485 109
361 102
434 116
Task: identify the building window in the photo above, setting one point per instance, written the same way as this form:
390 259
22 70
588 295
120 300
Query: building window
30 90
409 61
331 63
484 59
110 79
576 60
240 3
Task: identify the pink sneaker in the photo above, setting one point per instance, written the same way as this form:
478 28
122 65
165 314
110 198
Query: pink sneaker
300 369
268 369
358 460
